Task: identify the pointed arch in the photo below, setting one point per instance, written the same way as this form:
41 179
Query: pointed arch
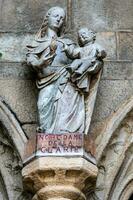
112 124
14 130
115 155
12 144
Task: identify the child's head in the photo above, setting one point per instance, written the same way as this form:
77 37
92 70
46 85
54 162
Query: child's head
85 36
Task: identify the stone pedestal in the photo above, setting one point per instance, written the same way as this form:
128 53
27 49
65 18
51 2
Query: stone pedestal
59 178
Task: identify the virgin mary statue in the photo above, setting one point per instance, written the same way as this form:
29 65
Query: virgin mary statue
62 107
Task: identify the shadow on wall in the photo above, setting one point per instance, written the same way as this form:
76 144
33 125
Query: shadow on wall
131 198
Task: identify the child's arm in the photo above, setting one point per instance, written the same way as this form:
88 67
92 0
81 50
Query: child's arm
101 53
71 51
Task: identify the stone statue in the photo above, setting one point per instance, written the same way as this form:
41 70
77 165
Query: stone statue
87 58
64 73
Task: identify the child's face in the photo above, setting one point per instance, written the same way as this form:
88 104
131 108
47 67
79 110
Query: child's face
85 36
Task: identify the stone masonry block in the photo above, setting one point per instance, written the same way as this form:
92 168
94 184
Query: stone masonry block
16 70
111 94
108 41
118 70
13 46
21 96
30 129
125 45
103 14
26 15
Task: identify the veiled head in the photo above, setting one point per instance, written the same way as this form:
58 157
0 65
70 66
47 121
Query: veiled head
55 19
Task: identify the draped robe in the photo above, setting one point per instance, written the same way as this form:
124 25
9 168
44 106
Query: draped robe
61 106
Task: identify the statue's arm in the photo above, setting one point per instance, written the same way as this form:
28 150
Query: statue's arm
39 62
98 61
72 52
101 52
33 60
70 49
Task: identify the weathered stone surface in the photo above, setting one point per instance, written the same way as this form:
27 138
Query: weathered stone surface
108 41
111 93
125 45
13 127
21 96
25 15
16 71
114 155
30 129
118 70
97 126
28 15
95 129
11 186
103 14
13 46
58 178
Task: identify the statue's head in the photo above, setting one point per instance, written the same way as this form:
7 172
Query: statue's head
86 36
55 19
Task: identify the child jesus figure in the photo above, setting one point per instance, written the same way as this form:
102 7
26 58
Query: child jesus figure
87 57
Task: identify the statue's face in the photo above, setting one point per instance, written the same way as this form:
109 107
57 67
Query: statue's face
56 19
85 36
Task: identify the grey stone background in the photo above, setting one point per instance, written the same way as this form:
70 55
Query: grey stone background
20 20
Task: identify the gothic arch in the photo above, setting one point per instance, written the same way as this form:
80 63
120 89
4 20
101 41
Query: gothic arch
115 155
127 192
14 130
12 141
3 192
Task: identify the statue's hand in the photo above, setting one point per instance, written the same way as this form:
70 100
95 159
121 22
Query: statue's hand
47 60
65 46
102 54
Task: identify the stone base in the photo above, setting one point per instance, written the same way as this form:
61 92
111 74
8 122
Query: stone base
59 178
59 145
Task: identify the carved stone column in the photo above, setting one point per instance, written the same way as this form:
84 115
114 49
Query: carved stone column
59 178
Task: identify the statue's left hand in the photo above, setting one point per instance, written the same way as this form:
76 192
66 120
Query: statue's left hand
47 60
65 46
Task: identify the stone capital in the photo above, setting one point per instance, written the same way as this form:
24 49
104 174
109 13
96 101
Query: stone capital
59 178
